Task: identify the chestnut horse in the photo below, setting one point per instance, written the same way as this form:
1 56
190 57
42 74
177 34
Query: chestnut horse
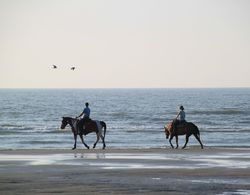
92 126
187 129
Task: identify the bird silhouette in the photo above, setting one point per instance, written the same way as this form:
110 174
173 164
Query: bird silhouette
73 68
54 66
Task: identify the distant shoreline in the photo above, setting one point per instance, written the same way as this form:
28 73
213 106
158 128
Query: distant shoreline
139 88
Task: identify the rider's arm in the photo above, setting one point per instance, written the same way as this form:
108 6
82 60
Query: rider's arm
177 115
80 115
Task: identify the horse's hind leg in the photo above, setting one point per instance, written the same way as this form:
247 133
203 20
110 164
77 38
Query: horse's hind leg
84 142
187 138
177 144
75 138
97 139
199 140
103 141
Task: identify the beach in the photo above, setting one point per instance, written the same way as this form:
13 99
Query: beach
213 170
114 74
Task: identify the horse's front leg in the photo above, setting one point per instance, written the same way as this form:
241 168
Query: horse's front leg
83 141
75 138
103 142
97 139
177 145
170 139
197 136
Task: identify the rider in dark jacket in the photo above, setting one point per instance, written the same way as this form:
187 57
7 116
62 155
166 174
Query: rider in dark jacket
86 116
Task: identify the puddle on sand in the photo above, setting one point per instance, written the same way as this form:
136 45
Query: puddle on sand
132 160
238 192
222 181
156 178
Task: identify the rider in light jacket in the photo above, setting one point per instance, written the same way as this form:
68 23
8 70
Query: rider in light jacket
179 119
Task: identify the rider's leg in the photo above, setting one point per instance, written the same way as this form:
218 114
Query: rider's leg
84 120
80 125
176 122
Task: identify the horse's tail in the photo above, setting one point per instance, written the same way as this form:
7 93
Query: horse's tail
196 130
196 133
105 128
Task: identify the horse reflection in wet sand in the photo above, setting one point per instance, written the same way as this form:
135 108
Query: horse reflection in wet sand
187 129
92 126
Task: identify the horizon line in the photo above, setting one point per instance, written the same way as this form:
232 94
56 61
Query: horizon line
9 88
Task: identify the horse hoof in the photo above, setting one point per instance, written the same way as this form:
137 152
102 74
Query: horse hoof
73 148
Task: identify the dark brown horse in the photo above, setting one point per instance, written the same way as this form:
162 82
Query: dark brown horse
92 126
187 129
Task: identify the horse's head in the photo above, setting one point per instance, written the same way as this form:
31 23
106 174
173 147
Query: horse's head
168 128
64 122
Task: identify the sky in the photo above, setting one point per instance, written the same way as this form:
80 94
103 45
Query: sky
124 43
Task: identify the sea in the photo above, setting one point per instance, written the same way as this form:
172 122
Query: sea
135 118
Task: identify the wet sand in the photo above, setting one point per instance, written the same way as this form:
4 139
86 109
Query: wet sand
193 171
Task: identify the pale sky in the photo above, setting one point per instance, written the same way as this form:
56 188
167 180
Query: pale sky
124 43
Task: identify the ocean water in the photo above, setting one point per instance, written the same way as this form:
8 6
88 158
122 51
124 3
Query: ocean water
31 118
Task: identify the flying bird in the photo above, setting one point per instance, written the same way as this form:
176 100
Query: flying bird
54 66
73 68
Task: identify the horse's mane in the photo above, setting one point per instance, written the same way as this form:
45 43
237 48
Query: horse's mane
170 125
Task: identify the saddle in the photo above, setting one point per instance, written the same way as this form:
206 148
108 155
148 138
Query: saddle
176 124
181 125
82 123
86 121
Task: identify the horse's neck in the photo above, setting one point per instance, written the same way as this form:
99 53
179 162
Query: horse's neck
171 128
71 122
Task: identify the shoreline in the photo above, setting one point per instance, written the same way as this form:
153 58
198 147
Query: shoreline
108 150
188 171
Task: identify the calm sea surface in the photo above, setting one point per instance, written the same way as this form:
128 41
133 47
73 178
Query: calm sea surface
31 118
